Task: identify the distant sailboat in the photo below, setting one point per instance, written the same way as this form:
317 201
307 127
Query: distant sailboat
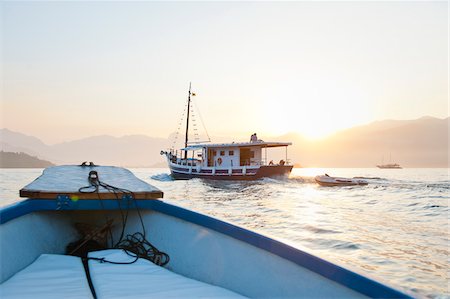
389 165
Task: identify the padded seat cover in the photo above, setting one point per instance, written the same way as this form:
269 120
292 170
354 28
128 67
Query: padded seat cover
143 279
49 276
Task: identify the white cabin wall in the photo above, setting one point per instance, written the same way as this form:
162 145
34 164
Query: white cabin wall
227 159
237 157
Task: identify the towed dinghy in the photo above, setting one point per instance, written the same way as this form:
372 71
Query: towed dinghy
209 258
329 181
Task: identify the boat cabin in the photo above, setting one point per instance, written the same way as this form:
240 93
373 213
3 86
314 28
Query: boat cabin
225 155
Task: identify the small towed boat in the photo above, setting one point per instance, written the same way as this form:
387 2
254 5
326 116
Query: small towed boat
209 258
329 181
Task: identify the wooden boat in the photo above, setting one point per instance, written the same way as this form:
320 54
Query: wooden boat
232 161
226 161
209 258
328 181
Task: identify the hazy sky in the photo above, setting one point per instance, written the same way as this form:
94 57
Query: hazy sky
76 69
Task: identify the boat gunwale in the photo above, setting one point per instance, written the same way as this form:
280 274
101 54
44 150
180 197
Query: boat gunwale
348 278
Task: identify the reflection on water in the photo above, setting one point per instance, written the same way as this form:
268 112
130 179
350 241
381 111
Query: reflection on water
394 229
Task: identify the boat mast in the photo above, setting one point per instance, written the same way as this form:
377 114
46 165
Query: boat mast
187 121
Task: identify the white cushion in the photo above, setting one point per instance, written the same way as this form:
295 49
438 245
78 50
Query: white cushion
143 279
49 276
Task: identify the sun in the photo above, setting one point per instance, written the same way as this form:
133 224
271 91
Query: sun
315 113
312 127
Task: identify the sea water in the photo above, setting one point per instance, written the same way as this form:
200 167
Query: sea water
395 229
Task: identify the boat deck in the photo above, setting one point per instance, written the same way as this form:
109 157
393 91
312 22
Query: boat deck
120 275
86 182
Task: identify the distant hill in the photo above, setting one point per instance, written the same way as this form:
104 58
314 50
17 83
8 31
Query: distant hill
411 143
17 142
127 151
21 160
421 142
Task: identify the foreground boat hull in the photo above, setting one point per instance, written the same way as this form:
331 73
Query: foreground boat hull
200 247
186 173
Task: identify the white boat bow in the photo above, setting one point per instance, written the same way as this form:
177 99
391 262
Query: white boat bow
201 248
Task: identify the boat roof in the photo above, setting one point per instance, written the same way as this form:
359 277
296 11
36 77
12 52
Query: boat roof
236 144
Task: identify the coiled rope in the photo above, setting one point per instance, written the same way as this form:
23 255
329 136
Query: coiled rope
136 243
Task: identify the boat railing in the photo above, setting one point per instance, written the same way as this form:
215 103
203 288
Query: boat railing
197 162
274 163
186 162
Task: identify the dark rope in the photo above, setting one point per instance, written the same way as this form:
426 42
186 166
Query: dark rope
104 260
132 243
88 277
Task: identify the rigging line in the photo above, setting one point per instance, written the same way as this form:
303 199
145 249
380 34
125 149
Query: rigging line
201 119
194 124
179 128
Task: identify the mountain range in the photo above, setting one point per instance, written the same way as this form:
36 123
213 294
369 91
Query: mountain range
421 142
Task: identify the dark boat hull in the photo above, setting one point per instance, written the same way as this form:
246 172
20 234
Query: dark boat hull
263 171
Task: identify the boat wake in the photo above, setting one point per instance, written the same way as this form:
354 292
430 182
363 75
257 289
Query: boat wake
302 180
162 177
275 179
368 178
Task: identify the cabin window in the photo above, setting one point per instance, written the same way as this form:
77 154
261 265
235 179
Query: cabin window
214 153
222 153
231 153
252 154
